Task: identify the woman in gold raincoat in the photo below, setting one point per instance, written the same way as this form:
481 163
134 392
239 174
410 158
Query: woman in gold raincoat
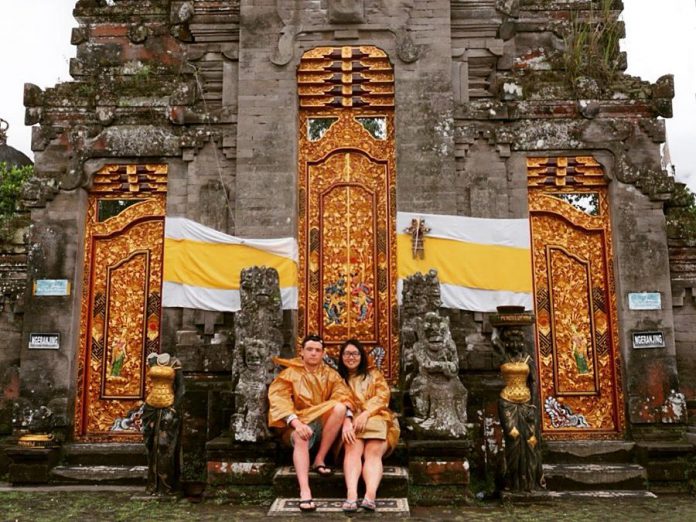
373 431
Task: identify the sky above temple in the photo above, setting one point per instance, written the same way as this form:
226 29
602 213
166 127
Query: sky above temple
660 39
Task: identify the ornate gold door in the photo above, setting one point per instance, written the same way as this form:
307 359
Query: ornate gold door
347 199
577 345
120 321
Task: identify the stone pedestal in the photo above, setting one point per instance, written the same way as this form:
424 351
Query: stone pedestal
244 469
31 465
439 471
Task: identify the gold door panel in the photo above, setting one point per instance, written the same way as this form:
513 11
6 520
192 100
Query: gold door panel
576 330
347 206
121 302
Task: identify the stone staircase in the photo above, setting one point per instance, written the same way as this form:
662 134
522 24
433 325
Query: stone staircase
594 468
329 492
670 464
101 464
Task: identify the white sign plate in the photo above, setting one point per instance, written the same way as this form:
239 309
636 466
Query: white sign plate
44 341
644 301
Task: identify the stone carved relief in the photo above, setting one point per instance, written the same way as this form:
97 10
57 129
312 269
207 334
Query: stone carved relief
249 422
346 11
259 339
438 396
350 13
421 294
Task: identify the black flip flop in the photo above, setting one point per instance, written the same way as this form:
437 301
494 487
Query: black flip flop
307 509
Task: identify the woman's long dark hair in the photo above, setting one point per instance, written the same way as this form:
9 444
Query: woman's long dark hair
362 367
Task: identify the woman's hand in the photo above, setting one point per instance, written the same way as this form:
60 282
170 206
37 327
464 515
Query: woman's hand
348 433
361 421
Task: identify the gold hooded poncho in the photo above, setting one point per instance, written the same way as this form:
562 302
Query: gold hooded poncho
307 394
371 393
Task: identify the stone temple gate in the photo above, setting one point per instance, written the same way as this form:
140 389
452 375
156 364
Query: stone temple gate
325 122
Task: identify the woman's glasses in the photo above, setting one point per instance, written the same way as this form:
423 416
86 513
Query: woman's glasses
351 355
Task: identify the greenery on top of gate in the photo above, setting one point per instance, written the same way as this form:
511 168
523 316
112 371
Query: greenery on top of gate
681 214
592 44
11 180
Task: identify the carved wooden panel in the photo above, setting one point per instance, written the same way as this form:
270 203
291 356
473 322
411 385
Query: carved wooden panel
347 213
577 345
121 305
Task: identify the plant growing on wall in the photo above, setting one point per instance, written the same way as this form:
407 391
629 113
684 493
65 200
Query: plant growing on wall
681 214
592 44
11 180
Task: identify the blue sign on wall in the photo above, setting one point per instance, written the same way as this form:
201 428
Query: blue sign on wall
51 287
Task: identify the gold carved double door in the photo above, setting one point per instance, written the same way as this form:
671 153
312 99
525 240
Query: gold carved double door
347 201
577 347
121 300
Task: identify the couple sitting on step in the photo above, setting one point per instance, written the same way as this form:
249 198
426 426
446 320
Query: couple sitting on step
312 403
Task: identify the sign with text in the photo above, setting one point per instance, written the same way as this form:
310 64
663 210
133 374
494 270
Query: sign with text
51 287
644 301
648 340
44 341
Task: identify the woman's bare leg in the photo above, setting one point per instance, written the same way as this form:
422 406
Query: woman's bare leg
372 468
352 467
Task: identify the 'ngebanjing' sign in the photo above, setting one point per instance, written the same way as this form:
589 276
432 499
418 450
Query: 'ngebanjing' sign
44 341
648 340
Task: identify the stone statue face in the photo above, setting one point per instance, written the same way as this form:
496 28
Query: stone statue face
258 284
435 329
255 354
513 340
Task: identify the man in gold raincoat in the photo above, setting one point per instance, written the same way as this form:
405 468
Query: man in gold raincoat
308 402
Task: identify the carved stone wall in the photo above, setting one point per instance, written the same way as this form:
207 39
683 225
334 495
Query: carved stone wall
209 88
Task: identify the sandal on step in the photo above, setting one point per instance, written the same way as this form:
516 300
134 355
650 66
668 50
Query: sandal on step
368 504
308 504
350 506
323 470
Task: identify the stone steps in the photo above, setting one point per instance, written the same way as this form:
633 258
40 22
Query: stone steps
667 464
564 477
288 507
394 483
582 452
111 475
542 496
101 463
102 454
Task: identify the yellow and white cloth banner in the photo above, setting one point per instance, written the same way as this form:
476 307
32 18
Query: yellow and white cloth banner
202 266
481 263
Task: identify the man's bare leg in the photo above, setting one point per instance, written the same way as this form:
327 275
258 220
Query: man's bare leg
300 458
372 469
352 467
329 431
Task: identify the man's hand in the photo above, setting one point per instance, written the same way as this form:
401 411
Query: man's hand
360 422
303 430
348 433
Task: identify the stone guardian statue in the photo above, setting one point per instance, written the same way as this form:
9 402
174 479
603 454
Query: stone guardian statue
438 396
522 466
162 423
258 339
